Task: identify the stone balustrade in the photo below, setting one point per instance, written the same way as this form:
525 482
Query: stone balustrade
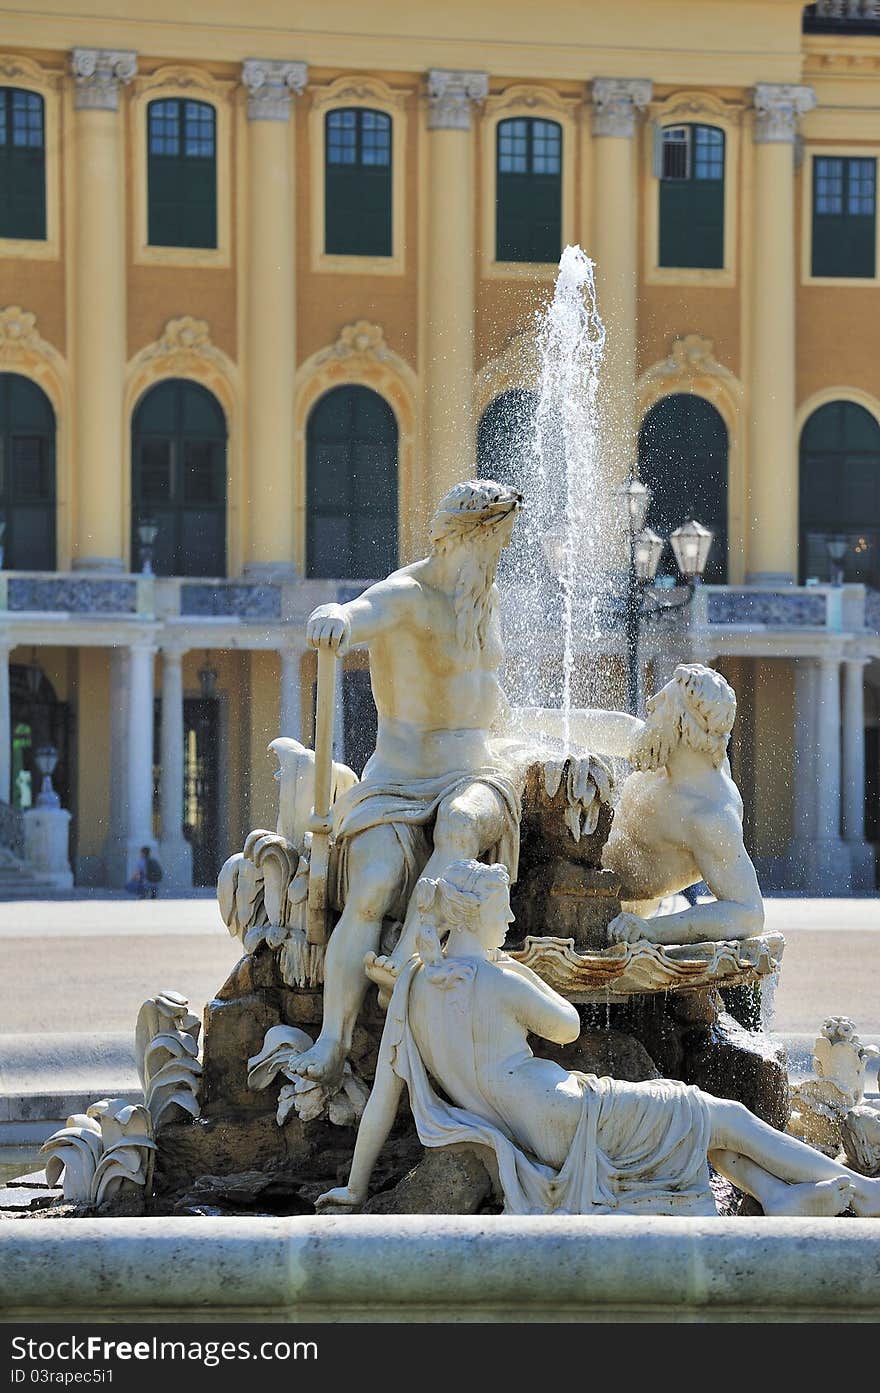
831 16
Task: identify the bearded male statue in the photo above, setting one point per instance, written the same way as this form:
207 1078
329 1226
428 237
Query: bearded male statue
438 788
679 818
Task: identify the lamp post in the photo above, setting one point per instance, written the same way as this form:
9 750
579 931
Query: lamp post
46 758
837 547
644 601
147 532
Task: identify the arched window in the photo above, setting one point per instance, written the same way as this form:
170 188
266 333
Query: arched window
22 164
690 161
683 460
181 173
351 485
840 491
528 199
357 182
178 453
27 474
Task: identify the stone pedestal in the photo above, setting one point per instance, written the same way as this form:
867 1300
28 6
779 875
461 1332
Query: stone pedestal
46 839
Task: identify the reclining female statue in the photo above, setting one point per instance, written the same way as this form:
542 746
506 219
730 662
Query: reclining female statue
563 1142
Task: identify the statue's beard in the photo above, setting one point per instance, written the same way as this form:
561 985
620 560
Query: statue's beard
652 748
473 601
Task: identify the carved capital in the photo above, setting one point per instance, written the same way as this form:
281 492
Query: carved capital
269 85
777 110
97 73
451 96
617 101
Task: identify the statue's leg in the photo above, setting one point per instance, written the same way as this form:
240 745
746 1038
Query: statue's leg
376 867
785 1175
466 825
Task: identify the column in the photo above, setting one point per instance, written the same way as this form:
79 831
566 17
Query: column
5 727
140 750
175 852
804 799
449 312
853 820
290 712
98 329
772 463
116 841
616 106
270 361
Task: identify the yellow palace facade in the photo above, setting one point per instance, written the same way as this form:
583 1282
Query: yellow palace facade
268 279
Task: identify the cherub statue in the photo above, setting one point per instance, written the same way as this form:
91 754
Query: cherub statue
563 1142
679 817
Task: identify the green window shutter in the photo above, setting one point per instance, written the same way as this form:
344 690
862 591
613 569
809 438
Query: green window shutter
691 197
22 164
178 451
357 183
844 217
27 480
528 207
181 174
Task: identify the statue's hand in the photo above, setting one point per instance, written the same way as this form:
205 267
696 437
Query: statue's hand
329 626
629 928
342 1200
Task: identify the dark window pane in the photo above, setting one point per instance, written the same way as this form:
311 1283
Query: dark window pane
203 472
357 183
683 451
351 444
27 474
180 479
32 473
844 217
22 165
182 174
155 476
203 542
676 148
31 545
528 213
691 197
840 491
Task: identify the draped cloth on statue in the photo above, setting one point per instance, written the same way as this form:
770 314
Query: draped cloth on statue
410 808
638 1147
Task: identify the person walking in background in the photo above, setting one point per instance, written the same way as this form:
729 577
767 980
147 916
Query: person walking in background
146 877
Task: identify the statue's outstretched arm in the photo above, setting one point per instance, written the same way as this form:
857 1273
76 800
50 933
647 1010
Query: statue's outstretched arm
377 610
600 732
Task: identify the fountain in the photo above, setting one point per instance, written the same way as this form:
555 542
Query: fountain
587 817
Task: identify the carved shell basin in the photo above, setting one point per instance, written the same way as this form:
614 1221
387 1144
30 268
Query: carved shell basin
625 969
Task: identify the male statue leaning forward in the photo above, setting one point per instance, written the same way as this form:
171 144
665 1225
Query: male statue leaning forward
434 791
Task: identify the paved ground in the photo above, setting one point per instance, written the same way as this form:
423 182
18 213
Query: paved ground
87 964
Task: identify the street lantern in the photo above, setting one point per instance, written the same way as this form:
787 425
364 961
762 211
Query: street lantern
691 543
46 758
638 501
837 547
646 551
147 531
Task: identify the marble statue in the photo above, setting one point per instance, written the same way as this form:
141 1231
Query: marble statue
437 787
828 1111
167 1054
103 1153
679 815
559 1142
